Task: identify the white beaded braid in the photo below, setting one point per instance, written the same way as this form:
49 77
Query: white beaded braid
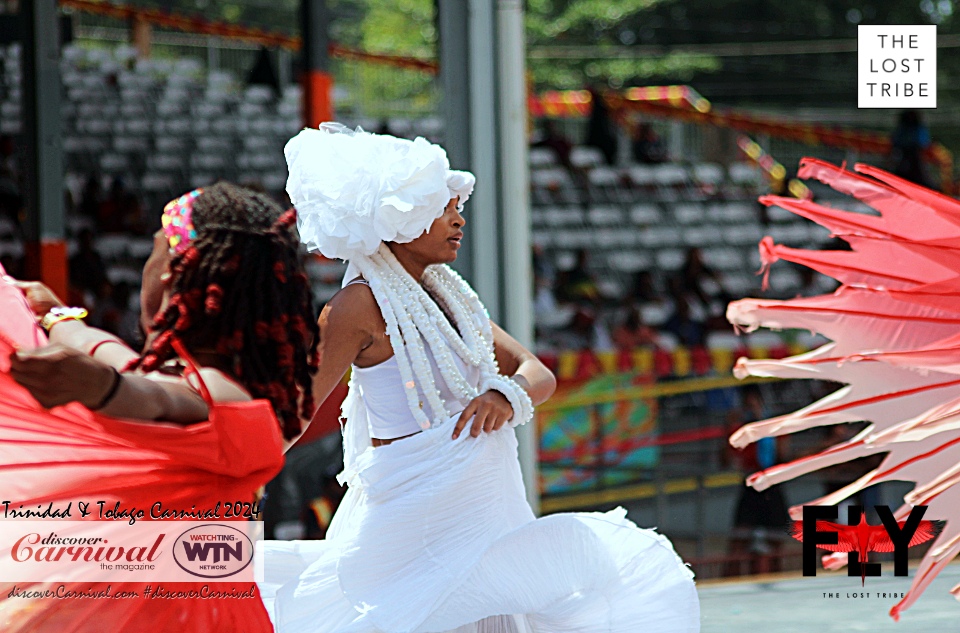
414 318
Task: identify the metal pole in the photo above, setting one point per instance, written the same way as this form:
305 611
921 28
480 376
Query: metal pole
283 68
660 482
514 209
46 248
452 21
701 520
317 79
514 172
484 87
482 69
213 53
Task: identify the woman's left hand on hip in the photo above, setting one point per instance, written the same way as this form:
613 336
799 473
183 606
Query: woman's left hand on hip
490 411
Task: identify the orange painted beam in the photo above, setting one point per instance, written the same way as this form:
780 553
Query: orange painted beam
47 261
317 98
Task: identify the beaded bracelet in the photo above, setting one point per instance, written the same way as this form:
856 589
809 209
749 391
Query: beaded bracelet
515 394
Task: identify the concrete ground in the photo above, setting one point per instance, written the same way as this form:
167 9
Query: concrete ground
792 603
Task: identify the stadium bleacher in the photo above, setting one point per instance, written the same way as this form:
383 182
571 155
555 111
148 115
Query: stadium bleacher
165 126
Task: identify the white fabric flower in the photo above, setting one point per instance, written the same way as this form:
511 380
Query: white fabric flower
353 190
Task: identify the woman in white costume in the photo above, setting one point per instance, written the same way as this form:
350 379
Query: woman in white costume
435 533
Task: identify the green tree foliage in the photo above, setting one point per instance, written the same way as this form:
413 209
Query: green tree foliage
605 27
402 28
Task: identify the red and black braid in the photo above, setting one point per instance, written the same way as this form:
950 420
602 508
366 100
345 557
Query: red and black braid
240 290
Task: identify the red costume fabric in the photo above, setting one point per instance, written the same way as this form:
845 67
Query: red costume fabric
70 453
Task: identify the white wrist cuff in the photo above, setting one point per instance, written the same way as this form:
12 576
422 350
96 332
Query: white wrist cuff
515 394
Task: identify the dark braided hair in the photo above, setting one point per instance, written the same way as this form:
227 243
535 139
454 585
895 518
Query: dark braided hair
240 289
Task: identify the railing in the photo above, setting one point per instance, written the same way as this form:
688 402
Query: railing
686 485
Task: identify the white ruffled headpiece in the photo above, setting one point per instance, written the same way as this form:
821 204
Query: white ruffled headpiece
353 189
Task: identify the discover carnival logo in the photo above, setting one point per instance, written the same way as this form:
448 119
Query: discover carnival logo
897 66
213 551
118 551
55 549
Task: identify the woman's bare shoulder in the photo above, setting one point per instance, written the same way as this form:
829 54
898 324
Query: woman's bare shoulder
355 308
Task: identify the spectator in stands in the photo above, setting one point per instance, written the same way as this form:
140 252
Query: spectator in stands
544 276
87 271
647 146
579 285
808 282
698 281
548 314
11 200
543 269
90 197
8 157
115 314
121 210
690 331
11 264
645 288
839 475
633 332
264 72
761 517
550 138
909 141
600 130
587 330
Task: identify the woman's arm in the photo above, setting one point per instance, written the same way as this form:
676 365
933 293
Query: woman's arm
519 363
103 346
348 325
491 410
56 375
75 334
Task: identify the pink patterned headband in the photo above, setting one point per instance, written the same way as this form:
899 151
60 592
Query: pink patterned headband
178 221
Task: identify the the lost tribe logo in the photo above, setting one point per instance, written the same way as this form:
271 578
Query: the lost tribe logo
897 66
213 551
859 538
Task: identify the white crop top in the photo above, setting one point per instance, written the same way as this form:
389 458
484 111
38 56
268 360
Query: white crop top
381 388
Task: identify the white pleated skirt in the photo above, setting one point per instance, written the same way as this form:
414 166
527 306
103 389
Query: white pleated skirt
436 535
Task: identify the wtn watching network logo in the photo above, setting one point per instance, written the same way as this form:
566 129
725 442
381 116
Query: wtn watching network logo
213 551
859 538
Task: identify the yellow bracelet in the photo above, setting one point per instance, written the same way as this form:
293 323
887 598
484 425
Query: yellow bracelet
58 314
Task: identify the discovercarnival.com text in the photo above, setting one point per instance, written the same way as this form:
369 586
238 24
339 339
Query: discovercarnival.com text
62 592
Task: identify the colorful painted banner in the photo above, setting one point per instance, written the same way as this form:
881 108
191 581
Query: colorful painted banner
601 445
657 363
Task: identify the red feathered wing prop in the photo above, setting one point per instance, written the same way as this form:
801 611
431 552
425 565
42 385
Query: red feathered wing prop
893 326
